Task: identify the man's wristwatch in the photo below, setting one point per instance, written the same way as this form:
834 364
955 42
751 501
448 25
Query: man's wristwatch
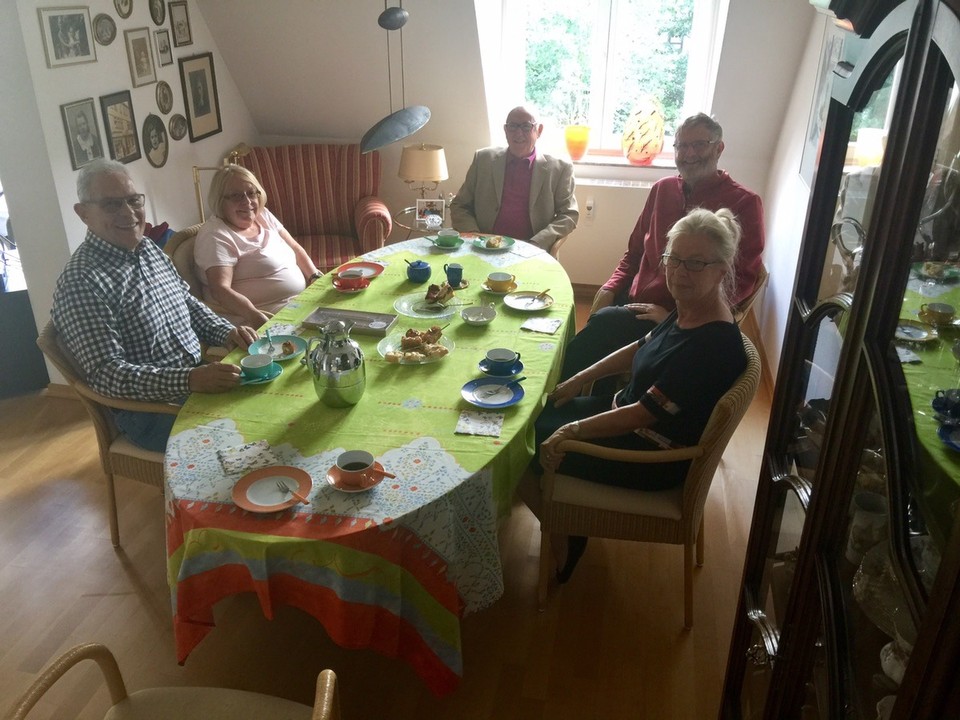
316 276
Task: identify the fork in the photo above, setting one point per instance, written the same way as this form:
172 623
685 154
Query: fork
539 296
282 487
270 348
487 392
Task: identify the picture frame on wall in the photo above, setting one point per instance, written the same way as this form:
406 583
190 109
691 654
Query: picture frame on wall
67 36
83 132
177 126
164 54
180 23
140 56
158 12
123 8
120 126
104 29
199 83
164 97
155 143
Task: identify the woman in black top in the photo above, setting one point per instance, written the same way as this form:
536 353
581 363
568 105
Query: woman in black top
678 372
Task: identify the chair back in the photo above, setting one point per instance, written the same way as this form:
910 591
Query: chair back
179 249
742 308
724 419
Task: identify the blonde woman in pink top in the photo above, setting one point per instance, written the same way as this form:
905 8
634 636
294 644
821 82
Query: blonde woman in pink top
249 264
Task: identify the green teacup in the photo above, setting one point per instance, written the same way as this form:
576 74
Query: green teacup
448 237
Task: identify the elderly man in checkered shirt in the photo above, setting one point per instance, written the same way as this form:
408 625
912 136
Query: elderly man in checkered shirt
128 317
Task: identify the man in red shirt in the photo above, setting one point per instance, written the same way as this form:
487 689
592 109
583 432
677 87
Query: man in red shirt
635 298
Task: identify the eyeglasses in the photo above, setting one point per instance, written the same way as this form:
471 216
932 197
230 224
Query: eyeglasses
251 195
672 261
698 146
115 205
525 127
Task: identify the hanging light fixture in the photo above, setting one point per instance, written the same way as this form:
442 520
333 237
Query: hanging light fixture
407 120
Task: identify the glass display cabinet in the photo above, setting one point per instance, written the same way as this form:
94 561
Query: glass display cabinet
850 600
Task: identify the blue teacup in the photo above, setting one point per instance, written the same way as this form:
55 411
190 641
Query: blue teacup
418 271
501 360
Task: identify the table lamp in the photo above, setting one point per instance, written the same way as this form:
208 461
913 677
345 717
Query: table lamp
424 164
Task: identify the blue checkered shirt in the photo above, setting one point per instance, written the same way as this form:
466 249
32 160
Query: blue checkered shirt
130 321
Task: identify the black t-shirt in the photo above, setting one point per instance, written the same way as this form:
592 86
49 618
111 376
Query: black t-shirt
679 375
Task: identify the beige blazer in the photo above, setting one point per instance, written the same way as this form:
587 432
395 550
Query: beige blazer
553 207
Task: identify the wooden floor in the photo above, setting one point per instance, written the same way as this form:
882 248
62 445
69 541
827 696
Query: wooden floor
610 645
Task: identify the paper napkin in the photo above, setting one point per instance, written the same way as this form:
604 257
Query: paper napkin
251 456
283 329
542 325
474 422
907 355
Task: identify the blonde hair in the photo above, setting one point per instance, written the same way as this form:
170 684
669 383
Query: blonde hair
219 184
721 227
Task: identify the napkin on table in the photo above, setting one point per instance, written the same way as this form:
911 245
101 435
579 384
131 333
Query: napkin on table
242 458
474 422
542 325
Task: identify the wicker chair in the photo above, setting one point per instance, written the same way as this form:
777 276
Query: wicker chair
183 703
118 456
571 506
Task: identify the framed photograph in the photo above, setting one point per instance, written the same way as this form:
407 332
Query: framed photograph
158 11
430 213
164 56
123 8
120 125
177 126
164 97
831 52
155 143
83 133
140 56
180 23
104 29
200 95
67 36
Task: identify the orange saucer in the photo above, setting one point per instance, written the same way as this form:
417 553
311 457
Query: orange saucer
335 480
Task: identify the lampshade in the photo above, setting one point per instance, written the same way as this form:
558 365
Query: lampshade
423 163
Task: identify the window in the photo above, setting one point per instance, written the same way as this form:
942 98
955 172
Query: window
592 62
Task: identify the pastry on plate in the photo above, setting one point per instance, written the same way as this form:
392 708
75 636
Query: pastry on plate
439 293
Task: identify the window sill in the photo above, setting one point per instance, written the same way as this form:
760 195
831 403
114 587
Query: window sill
615 170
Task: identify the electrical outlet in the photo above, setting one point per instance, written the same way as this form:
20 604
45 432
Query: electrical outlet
589 208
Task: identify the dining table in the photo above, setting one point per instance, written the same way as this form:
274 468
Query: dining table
396 566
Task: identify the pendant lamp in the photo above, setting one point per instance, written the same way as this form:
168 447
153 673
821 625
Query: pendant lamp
406 121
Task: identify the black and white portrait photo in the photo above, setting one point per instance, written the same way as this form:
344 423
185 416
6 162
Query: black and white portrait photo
83 133
155 141
67 36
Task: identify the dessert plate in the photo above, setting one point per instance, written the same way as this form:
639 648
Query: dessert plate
913 331
527 301
260 347
480 243
274 374
367 268
491 392
415 305
257 491
487 288
392 343
336 481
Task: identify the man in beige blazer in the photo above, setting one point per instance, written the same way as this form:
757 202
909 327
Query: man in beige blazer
516 191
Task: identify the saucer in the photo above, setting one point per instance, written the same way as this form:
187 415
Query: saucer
273 375
504 393
487 288
464 284
336 284
514 371
432 239
913 331
335 481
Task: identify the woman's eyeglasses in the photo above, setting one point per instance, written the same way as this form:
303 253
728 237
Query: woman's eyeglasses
672 261
115 205
252 195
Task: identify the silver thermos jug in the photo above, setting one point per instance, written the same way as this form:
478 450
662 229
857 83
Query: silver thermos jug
336 361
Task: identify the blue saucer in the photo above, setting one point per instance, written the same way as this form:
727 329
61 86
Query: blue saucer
275 372
515 370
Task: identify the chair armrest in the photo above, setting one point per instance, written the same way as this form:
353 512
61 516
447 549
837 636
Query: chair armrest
636 456
89 651
373 223
124 404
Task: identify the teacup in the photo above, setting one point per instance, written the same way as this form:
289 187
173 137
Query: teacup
454 273
947 402
500 281
501 360
256 366
352 280
479 315
447 237
937 313
418 271
357 468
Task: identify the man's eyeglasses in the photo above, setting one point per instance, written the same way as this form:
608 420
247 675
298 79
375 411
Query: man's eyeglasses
115 205
251 195
672 261
698 146
513 127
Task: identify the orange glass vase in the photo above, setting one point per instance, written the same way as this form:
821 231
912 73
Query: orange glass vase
577 137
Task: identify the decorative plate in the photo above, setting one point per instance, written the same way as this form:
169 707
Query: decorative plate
480 243
415 305
367 268
391 343
913 331
261 347
257 491
502 393
333 478
527 301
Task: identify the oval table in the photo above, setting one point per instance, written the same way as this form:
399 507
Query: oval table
393 568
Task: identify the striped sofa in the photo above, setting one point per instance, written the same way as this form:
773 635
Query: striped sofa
325 196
